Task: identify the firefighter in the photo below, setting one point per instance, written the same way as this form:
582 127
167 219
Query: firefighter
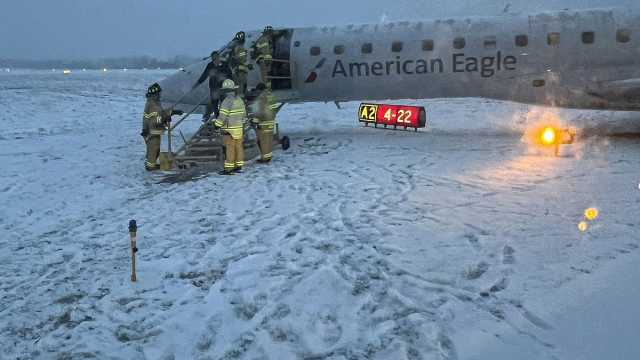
217 71
264 118
239 63
231 121
154 121
263 53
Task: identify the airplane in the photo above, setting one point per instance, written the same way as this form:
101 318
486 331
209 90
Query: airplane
583 59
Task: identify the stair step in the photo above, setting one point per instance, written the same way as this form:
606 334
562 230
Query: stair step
197 158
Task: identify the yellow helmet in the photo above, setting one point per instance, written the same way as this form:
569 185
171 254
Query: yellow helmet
228 84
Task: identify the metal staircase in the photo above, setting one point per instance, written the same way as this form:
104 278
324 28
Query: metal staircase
205 149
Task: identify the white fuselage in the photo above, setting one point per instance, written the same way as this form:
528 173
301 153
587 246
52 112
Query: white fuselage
581 59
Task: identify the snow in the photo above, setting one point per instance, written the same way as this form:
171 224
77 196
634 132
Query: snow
593 318
459 242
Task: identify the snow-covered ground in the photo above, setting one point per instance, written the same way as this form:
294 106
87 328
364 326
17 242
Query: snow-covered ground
357 243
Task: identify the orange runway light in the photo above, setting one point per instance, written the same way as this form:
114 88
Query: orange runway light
591 214
583 226
548 136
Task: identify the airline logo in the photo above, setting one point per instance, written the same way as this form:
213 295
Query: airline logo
486 67
313 75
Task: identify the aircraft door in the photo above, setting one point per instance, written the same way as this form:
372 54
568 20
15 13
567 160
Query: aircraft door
281 67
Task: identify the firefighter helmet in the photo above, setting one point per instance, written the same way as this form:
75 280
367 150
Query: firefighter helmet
154 90
228 84
240 36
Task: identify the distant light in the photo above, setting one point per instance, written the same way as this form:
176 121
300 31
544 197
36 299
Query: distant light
591 214
583 226
548 136
7 70
125 69
84 69
104 70
66 71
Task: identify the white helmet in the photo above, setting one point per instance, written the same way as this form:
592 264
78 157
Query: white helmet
228 84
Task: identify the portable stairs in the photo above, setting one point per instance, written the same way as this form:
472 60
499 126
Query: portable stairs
205 149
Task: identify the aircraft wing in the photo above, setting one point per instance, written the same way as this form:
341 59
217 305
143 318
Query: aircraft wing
628 89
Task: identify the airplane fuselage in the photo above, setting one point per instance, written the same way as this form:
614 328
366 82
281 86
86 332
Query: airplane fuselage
580 59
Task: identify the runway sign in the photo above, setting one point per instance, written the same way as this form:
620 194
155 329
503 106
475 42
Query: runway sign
404 116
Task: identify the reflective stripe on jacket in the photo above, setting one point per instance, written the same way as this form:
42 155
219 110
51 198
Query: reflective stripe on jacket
266 110
239 58
264 48
154 117
232 116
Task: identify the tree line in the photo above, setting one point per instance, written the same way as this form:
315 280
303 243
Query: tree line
135 62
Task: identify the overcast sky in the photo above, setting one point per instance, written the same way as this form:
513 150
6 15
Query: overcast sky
77 29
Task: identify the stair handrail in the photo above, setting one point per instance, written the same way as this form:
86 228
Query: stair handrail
183 118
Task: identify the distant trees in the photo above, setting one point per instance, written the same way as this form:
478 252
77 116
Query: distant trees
135 62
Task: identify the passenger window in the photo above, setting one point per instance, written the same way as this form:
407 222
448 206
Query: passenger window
588 37
553 39
459 43
427 45
538 83
396 46
367 48
296 44
490 42
315 51
522 40
623 36
338 49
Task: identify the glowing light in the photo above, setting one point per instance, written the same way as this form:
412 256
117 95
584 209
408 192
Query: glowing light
66 71
548 136
591 214
583 226
104 70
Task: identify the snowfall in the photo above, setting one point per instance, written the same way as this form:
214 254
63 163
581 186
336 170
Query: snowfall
460 241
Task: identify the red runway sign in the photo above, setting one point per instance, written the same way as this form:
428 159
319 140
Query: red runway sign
393 115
